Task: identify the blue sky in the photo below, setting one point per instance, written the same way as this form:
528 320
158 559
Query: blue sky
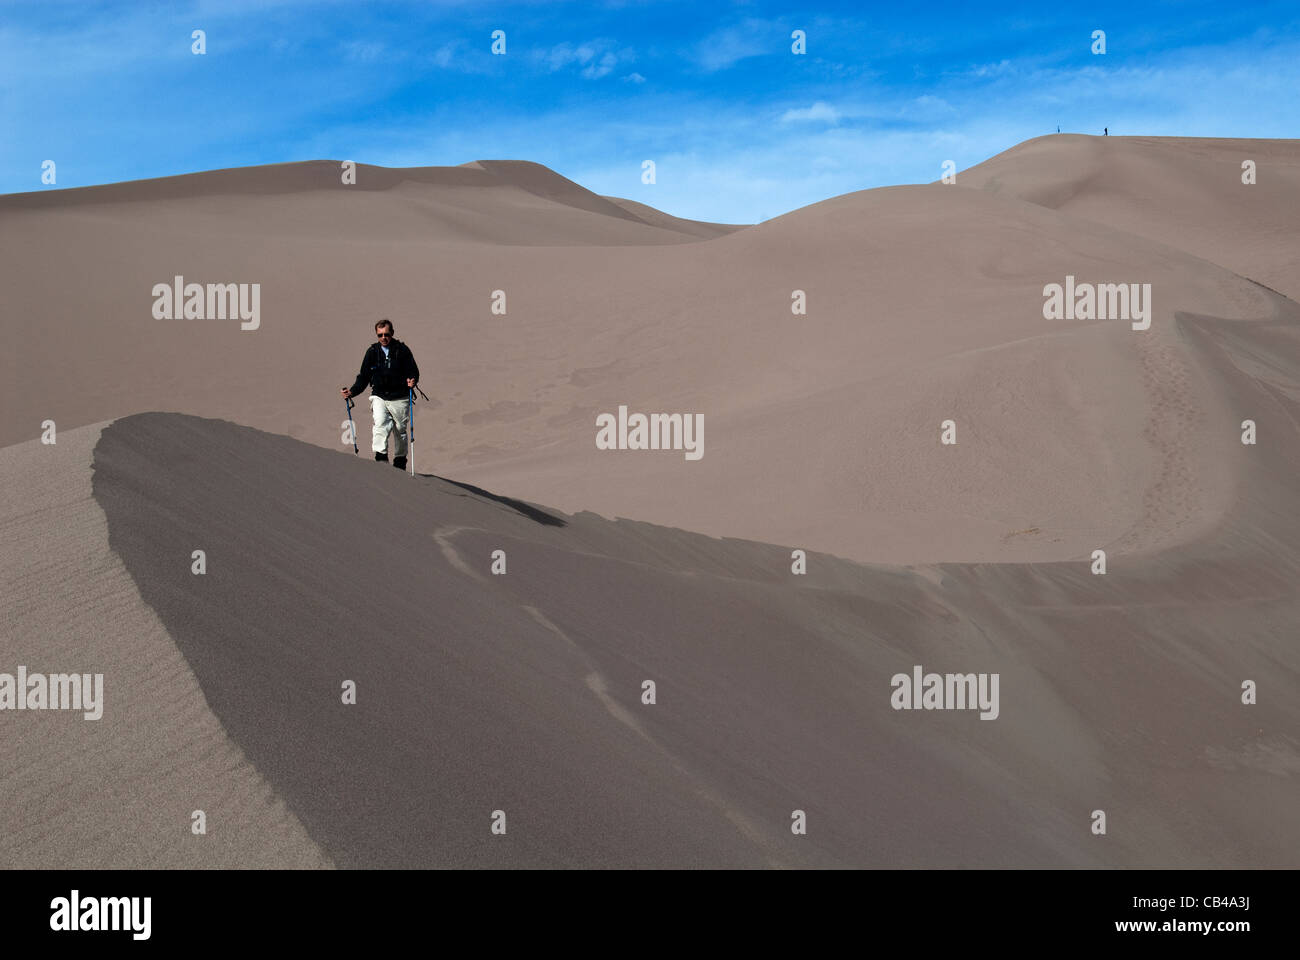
740 128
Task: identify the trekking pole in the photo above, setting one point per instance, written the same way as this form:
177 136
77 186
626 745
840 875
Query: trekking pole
410 427
352 427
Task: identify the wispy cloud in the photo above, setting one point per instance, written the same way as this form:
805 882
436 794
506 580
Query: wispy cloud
818 111
1002 68
361 51
593 58
749 38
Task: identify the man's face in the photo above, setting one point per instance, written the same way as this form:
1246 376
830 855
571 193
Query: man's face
385 335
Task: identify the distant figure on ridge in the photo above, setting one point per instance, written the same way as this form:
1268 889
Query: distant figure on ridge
1105 131
389 369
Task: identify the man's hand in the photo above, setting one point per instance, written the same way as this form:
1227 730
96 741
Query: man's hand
346 391
410 381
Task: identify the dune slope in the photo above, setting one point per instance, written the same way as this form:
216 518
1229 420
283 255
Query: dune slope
120 791
1186 192
523 691
924 304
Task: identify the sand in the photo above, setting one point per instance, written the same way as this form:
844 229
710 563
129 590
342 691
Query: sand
924 304
523 692
119 791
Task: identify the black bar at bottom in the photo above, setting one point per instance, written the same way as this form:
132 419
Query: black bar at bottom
371 908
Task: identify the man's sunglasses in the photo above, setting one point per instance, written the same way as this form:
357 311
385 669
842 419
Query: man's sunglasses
385 336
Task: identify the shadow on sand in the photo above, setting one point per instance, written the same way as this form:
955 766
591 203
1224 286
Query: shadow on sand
526 509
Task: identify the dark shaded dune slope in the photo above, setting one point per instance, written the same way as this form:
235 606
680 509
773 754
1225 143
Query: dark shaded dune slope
522 692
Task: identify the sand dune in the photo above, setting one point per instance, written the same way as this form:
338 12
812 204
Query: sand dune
1182 191
523 692
924 304
119 791
488 201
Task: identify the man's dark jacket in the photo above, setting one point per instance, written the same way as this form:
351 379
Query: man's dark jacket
387 376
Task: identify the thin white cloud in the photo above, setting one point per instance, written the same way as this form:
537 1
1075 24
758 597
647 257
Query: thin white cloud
1000 69
603 68
594 58
459 55
361 51
933 104
445 55
749 38
819 111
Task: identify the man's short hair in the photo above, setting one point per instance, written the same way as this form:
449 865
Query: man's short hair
385 323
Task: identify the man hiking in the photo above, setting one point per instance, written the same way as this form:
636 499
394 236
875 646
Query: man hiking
389 369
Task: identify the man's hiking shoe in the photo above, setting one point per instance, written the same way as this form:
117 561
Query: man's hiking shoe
382 456
399 463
